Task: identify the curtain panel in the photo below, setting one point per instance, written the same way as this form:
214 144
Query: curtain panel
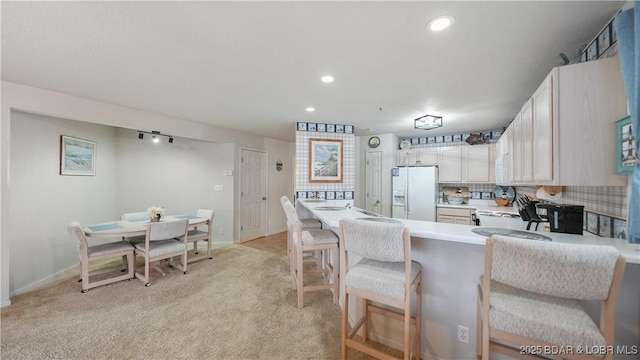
627 25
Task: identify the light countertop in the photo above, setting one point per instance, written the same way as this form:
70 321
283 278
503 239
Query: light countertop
460 233
484 205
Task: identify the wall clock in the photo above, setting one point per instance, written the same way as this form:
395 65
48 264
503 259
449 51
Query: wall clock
374 142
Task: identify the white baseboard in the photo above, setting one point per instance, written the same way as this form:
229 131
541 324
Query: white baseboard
45 280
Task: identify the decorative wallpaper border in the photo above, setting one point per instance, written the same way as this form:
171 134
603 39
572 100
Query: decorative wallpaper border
488 135
604 225
321 127
328 195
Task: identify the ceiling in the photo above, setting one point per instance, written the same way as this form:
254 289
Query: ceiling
256 66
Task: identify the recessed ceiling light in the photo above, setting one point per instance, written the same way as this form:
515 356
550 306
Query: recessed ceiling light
310 109
327 79
440 23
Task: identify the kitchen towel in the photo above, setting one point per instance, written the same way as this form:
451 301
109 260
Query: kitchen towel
627 25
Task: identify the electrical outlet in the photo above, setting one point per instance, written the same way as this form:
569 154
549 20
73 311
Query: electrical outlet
463 334
221 231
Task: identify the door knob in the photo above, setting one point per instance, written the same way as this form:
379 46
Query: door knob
264 198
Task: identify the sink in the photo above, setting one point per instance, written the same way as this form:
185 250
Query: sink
329 208
381 219
314 200
488 231
367 212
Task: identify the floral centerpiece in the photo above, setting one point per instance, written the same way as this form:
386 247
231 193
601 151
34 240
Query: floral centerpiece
155 213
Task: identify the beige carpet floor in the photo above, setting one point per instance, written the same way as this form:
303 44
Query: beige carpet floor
240 305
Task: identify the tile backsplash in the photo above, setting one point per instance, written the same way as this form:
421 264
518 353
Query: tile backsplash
605 207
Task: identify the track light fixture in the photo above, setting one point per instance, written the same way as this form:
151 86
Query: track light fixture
155 136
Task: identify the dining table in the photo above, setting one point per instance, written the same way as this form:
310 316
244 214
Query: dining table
135 226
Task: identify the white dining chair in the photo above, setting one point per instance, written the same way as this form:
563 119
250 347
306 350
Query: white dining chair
88 254
197 233
160 243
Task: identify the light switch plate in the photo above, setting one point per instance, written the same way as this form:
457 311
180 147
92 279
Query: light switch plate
217 187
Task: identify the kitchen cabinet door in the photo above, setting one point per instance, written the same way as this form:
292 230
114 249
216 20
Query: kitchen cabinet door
462 221
516 165
406 157
450 164
526 139
479 167
446 219
427 156
543 131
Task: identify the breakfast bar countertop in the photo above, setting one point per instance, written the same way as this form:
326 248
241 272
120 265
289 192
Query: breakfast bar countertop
455 232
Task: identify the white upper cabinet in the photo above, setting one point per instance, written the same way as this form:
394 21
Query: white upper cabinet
543 130
427 156
418 157
565 134
456 164
450 166
479 164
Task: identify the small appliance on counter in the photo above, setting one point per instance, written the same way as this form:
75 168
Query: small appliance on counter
564 218
527 209
456 195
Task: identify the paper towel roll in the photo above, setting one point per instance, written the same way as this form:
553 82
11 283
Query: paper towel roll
542 194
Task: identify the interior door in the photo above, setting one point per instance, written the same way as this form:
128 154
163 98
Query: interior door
374 181
253 195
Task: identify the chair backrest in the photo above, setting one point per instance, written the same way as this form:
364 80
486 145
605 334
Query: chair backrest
375 240
167 230
290 212
135 216
573 271
77 236
284 199
205 213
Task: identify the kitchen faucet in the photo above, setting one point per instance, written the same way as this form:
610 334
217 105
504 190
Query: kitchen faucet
348 206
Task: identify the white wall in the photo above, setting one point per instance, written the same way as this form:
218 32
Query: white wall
178 176
21 99
42 202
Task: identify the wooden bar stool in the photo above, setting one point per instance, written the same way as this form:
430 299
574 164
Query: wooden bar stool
385 275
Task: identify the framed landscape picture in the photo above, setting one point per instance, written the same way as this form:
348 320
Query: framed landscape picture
77 156
626 146
325 161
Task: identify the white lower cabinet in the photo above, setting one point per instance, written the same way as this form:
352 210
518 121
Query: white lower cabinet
455 215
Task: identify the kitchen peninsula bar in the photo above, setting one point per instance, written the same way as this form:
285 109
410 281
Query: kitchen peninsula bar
452 259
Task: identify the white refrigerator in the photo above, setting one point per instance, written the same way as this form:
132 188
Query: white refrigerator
415 192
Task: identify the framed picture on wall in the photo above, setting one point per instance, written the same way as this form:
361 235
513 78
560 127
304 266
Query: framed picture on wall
626 146
77 156
325 161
